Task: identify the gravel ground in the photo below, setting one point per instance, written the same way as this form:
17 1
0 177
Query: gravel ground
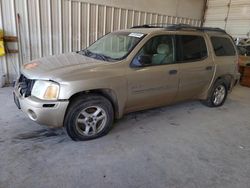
184 145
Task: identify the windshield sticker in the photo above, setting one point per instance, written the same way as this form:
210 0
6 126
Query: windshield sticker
137 35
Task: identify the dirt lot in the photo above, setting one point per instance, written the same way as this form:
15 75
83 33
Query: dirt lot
185 145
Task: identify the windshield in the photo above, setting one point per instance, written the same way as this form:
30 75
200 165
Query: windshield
113 46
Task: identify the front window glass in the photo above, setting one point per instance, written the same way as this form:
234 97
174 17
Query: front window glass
157 51
114 46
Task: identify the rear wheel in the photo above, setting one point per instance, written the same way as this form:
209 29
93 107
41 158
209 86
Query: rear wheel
217 95
89 117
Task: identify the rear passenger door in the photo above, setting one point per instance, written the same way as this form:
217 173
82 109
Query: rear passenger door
195 68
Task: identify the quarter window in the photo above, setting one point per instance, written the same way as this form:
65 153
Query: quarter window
222 46
190 48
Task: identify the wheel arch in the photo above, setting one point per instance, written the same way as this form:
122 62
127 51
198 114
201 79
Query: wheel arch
107 93
227 78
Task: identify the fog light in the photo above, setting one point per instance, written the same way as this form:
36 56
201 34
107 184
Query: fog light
32 115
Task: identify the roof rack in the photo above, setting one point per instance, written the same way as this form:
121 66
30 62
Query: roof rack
179 27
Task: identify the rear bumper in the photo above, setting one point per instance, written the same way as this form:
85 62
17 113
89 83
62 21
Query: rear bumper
50 113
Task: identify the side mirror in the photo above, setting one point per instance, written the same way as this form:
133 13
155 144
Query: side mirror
144 59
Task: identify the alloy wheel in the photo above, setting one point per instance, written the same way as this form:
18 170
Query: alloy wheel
91 121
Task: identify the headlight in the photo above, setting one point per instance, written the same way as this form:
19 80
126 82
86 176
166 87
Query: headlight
45 90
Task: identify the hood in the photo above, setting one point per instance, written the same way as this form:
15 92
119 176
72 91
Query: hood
58 66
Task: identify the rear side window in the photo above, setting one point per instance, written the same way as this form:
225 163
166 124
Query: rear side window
190 48
222 46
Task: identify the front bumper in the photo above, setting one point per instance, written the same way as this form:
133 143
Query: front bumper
50 113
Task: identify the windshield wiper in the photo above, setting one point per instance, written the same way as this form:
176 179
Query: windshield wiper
103 57
87 52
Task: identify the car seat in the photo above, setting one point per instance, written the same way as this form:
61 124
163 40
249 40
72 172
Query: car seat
163 54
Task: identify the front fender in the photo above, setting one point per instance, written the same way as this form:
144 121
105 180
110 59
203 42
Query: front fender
116 87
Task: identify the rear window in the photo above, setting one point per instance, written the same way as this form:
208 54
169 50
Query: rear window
190 48
222 46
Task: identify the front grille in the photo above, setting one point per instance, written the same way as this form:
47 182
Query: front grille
25 86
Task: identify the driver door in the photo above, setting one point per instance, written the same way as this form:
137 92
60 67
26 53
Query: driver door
153 75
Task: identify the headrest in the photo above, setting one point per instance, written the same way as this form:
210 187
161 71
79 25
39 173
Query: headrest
163 49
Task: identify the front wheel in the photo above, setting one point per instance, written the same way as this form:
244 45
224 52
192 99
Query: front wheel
218 95
89 117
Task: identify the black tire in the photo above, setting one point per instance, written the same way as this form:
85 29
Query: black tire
74 112
211 97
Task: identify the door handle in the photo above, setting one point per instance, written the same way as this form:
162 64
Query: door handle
209 68
173 72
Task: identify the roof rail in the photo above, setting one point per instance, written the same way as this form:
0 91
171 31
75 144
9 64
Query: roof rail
179 27
143 26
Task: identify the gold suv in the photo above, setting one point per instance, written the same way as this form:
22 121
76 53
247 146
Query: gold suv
125 71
